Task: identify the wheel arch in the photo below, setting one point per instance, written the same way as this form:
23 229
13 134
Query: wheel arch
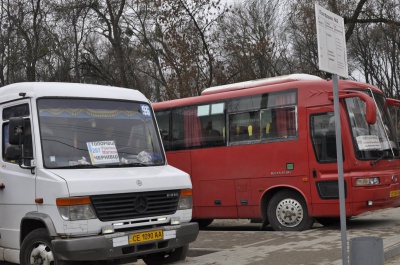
269 193
35 220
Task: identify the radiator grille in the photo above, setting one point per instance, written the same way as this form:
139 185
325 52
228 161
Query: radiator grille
123 206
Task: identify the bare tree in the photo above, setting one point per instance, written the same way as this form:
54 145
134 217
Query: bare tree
29 20
375 48
71 31
186 41
251 42
109 15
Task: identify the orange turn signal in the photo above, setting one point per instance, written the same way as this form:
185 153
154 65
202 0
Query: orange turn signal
73 201
186 193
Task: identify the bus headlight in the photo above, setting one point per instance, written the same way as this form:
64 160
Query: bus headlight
367 181
185 200
78 208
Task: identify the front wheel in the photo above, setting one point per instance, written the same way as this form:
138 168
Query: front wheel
175 255
287 211
36 249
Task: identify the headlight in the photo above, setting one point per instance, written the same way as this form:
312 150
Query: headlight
185 200
367 181
72 209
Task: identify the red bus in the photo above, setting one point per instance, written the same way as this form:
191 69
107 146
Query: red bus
266 149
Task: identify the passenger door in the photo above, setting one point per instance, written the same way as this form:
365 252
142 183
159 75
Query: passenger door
322 161
18 195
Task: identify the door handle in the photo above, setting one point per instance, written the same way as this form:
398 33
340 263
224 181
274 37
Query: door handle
314 173
2 186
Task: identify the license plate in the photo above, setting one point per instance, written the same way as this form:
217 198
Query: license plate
145 236
394 193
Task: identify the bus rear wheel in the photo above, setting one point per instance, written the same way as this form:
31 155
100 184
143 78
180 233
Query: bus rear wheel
203 222
330 221
287 211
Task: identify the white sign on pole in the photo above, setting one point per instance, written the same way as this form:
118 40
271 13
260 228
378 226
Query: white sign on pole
331 42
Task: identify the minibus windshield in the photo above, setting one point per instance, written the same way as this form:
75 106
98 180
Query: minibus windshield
85 133
372 141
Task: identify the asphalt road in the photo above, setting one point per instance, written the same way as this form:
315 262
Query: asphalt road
239 242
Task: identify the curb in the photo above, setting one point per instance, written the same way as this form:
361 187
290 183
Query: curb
392 252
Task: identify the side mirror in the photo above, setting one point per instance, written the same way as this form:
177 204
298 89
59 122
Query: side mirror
393 102
13 152
369 102
16 130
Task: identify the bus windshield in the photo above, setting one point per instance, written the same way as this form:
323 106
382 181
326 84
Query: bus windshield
372 141
97 133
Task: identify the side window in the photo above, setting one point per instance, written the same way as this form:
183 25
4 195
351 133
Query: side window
198 127
181 139
266 117
163 120
278 122
212 119
17 111
244 126
323 137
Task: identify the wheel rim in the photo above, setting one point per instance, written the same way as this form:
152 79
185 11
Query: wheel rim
41 255
289 213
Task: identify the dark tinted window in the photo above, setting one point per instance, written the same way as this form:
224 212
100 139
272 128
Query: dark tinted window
16 111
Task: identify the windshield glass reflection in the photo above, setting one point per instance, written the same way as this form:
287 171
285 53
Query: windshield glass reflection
98 133
372 140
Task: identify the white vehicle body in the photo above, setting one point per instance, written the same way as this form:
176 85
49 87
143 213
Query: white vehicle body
36 190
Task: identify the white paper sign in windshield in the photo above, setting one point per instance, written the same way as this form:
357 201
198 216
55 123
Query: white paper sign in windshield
368 142
103 152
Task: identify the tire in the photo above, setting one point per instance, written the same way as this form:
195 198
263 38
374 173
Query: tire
175 255
287 211
203 222
36 249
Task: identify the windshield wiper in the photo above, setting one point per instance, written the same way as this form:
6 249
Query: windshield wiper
385 154
136 164
78 166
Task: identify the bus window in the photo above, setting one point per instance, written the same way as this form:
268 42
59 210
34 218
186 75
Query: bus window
18 111
323 137
198 127
279 123
163 124
212 119
244 126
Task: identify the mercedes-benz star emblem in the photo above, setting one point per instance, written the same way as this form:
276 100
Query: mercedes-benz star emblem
141 204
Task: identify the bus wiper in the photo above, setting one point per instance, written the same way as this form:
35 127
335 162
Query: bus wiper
78 166
136 164
129 165
385 154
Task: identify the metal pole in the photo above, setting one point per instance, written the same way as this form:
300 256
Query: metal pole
340 168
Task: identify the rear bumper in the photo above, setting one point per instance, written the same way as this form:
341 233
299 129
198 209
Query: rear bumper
116 246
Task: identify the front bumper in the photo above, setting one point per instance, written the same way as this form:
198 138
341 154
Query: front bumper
104 247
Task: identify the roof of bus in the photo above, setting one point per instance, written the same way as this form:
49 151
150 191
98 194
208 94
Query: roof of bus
55 89
315 85
260 82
